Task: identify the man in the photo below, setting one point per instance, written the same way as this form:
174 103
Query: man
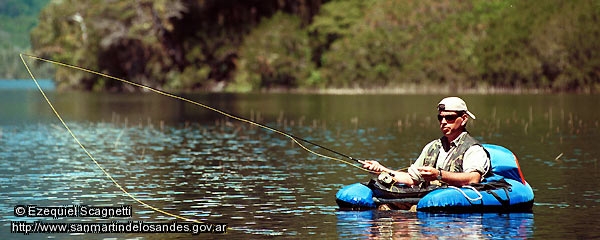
456 158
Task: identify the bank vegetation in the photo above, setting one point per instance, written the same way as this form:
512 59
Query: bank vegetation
319 45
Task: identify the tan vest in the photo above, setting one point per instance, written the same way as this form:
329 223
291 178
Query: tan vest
455 164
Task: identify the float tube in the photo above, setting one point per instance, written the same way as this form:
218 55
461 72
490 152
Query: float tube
505 191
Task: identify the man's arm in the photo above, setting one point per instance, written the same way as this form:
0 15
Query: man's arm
475 165
376 167
476 160
452 178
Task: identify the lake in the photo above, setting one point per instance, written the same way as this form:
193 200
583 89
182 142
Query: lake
198 164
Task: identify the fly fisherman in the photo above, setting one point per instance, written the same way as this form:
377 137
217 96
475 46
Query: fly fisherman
456 158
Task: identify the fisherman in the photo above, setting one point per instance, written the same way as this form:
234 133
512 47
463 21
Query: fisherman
456 158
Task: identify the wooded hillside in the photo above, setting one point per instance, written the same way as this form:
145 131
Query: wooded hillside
17 18
227 45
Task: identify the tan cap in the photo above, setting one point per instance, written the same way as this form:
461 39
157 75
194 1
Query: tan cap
454 104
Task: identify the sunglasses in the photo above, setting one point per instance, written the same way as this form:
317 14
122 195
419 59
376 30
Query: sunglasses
449 118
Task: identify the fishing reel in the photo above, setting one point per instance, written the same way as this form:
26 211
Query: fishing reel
386 178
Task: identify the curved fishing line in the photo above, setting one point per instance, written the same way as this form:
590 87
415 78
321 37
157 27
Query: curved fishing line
92 157
295 139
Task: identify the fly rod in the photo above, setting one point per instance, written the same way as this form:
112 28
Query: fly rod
294 138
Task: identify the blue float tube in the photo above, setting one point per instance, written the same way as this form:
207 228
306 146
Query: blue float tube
355 197
517 198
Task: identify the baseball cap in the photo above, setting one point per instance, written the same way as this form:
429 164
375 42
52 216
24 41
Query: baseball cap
454 104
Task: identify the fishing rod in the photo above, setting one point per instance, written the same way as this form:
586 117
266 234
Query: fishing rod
89 154
307 141
296 139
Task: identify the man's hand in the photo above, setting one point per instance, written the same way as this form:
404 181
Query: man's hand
374 166
452 178
429 173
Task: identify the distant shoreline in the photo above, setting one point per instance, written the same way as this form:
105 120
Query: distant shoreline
427 89
414 90
48 84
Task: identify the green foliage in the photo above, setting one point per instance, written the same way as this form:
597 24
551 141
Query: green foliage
466 44
17 18
399 43
443 51
582 70
119 39
178 45
214 45
276 54
547 45
332 24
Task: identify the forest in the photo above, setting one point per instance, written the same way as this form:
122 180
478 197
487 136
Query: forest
17 19
311 45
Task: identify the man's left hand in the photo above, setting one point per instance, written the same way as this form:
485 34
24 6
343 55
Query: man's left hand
429 173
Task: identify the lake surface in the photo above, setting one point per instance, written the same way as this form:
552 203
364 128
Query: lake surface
195 163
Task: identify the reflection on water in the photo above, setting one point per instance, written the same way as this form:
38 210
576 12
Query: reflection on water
404 225
199 165
222 174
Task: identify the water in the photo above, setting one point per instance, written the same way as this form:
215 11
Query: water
20 84
195 163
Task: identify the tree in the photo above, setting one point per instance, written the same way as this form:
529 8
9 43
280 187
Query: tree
276 54
178 45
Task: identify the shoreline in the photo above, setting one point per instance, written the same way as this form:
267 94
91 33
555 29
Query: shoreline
421 89
412 89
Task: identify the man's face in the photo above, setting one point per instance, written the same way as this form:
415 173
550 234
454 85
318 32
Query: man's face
451 123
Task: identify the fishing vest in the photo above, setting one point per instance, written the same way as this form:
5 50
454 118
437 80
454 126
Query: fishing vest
455 164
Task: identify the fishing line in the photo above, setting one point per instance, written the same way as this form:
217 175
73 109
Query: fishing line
297 140
294 138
